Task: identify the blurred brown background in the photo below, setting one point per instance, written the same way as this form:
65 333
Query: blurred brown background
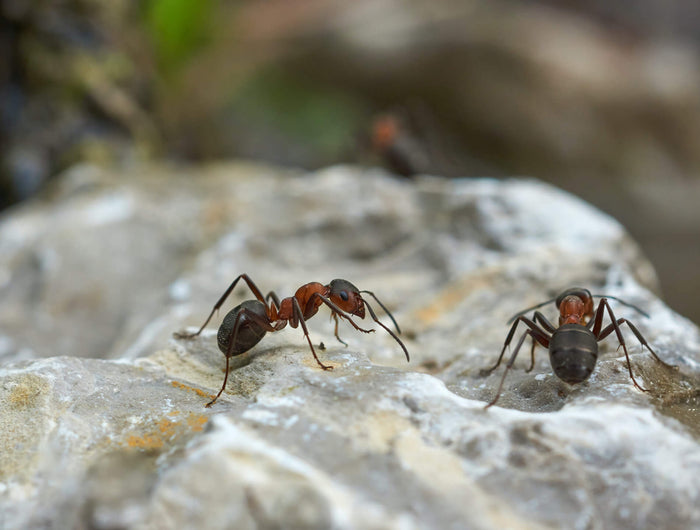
600 98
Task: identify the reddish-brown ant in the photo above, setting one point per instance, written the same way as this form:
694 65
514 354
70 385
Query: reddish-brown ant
573 345
246 324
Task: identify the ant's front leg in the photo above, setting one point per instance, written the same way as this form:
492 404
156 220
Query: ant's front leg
299 319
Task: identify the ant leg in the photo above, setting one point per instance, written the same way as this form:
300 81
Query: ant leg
374 317
384 308
548 326
542 320
536 334
639 336
598 319
334 316
641 339
275 299
222 387
532 356
602 306
508 365
254 317
228 354
227 292
503 350
300 320
509 338
272 302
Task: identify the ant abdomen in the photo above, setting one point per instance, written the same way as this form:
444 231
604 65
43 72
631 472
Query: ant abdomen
249 332
573 352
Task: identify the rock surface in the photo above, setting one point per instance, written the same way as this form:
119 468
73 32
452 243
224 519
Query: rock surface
102 418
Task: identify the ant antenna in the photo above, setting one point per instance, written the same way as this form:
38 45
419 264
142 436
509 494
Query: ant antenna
623 303
516 315
519 313
384 308
374 317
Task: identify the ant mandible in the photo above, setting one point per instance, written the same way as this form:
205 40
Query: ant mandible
573 345
247 323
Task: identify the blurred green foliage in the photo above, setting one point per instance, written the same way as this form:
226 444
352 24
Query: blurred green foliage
326 118
177 29
186 34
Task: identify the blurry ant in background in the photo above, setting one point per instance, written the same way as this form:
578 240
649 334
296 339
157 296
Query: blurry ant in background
247 323
573 344
413 139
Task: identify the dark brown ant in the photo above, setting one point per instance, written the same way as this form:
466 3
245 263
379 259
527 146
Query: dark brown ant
573 345
246 324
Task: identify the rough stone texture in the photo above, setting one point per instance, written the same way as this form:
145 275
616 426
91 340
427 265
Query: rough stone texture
110 265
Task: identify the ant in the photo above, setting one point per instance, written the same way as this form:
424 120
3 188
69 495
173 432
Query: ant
573 345
247 323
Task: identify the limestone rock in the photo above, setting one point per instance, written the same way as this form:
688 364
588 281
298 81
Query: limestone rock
102 417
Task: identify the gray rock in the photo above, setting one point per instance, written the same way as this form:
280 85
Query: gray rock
113 432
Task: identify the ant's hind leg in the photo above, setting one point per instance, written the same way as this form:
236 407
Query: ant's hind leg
254 289
547 326
222 387
231 341
509 364
532 357
535 332
542 339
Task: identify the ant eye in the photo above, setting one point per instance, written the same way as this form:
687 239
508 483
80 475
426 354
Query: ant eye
344 296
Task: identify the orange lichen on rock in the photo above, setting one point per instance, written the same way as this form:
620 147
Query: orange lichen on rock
167 427
196 422
148 441
167 430
197 391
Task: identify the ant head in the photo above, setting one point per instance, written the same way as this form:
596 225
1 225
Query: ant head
347 297
574 304
579 292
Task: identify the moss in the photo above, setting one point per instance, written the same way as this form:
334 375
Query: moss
178 28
